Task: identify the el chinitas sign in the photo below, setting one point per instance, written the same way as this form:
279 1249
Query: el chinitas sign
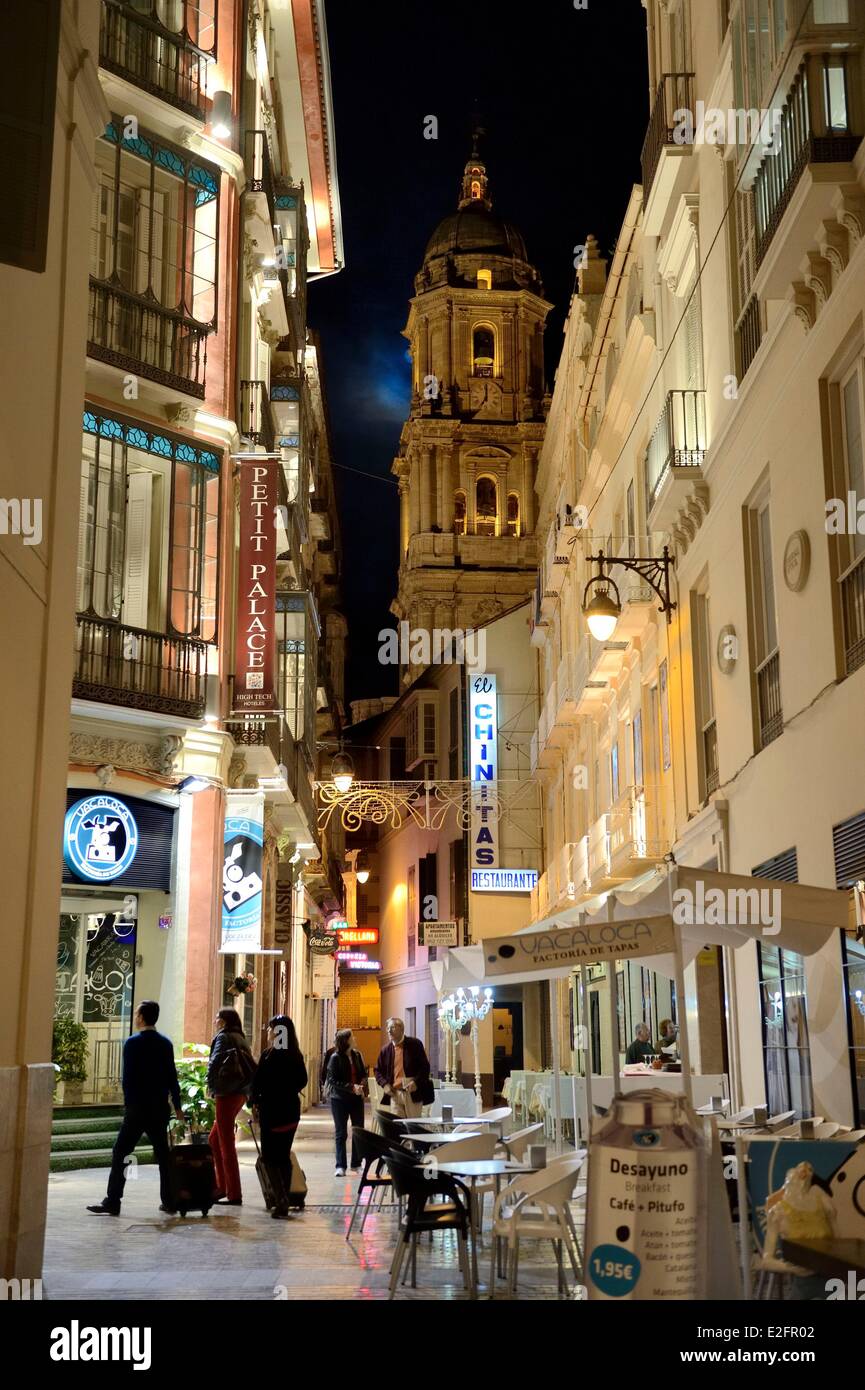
483 771
255 646
578 945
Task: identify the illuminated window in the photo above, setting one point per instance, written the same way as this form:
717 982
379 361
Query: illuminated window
485 279
486 507
476 188
513 520
483 351
459 513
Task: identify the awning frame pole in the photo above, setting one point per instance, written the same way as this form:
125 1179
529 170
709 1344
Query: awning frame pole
557 1072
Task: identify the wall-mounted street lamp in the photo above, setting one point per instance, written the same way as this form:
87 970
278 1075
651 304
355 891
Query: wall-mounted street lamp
342 770
361 868
220 116
603 610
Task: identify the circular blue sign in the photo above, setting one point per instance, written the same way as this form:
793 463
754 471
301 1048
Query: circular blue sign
614 1270
100 838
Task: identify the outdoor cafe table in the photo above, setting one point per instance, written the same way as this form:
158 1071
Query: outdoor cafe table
431 1138
474 1168
486 1117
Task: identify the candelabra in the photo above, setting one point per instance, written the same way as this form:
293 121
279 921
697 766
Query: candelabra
451 1026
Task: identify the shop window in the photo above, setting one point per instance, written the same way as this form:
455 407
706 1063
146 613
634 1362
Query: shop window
459 513
513 517
786 1051
486 507
854 977
483 351
148 529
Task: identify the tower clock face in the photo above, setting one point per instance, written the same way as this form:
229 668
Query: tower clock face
485 399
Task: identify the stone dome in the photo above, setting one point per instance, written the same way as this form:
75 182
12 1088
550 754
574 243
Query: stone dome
475 230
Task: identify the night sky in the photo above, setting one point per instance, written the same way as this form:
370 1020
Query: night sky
563 95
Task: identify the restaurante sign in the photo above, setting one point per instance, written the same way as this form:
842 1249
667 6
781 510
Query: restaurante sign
255 642
578 945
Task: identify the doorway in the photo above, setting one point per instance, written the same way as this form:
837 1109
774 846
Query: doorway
94 983
507 1042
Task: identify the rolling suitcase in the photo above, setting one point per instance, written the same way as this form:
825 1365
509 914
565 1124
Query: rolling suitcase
273 1186
192 1177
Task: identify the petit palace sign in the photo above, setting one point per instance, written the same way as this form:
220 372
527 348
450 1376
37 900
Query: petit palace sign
255 642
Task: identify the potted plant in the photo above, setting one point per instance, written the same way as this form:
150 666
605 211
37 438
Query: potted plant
198 1106
69 1055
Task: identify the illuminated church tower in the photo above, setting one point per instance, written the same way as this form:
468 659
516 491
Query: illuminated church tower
469 449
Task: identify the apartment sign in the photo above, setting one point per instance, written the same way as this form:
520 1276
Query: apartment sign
255 642
483 772
438 934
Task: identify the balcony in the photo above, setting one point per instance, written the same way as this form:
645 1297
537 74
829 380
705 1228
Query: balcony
675 455
266 742
812 159
852 585
661 150
749 335
627 840
256 417
140 49
133 333
129 666
769 713
566 880
555 568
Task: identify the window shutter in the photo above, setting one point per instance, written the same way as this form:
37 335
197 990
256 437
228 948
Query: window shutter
30 38
848 839
136 564
783 867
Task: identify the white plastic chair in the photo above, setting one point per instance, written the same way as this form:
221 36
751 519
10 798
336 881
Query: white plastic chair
536 1207
518 1142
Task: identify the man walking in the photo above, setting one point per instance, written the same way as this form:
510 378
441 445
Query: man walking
403 1072
149 1078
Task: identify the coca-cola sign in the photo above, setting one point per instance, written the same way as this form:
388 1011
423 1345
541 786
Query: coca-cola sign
255 643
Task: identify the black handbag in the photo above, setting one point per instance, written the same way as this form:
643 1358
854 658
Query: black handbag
236 1070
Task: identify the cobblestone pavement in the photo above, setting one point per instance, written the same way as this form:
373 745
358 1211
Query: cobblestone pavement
240 1253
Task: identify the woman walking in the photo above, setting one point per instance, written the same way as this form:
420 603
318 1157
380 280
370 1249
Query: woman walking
346 1089
229 1074
276 1087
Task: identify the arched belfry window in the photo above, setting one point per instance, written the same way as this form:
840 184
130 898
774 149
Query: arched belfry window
476 188
459 513
513 516
483 351
486 507
485 279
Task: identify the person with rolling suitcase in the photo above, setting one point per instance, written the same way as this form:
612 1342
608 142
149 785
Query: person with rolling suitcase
149 1079
275 1095
229 1075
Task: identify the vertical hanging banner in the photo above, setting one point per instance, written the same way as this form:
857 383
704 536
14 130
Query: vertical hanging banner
483 772
255 642
242 871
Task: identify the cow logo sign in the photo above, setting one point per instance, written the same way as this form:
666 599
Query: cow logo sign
100 838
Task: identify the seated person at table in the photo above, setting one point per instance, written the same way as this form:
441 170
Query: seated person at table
641 1049
667 1042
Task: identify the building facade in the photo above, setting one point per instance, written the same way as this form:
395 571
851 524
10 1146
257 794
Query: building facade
191 200
709 399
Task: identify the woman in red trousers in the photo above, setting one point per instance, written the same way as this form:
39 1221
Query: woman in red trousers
229 1074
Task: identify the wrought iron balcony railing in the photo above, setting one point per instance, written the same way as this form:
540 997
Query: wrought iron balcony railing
135 333
256 418
853 615
675 93
795 146
120 665
678 441
749 334
137 46
769 712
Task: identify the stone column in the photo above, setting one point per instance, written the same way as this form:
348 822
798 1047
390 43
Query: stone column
414 495
404 522
446 487
425 487
527 499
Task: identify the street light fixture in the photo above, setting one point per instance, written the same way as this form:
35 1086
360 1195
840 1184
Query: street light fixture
342 771
602 611
361 868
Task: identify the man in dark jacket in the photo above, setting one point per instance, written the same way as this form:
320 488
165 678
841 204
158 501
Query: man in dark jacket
403 1072
149 1078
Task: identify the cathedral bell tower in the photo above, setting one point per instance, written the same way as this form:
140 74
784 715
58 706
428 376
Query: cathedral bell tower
469 448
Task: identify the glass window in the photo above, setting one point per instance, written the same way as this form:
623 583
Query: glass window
767 582
638 748
459 513
513 521
666 756
786 1054
854 457
854 971
483 351
831 11
835 92
486 507
614 772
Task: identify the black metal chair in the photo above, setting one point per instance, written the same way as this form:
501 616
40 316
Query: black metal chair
374 1152
415 1184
